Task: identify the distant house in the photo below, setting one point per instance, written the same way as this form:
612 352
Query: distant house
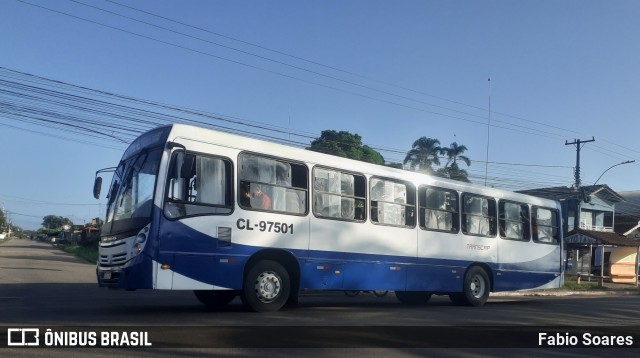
627 218
590 207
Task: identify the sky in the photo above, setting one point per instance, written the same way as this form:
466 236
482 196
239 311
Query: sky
513 81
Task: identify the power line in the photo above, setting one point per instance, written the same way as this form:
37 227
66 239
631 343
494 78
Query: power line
327 66
104 111
526 130
513 127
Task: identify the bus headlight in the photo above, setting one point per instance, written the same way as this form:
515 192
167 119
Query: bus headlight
141 238
139 242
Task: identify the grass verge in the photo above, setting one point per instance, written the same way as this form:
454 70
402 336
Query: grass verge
87 253
590 286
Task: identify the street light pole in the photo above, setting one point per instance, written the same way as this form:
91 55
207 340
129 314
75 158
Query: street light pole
615 165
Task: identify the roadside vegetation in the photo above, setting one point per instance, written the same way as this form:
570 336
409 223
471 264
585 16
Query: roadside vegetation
87 253
582 286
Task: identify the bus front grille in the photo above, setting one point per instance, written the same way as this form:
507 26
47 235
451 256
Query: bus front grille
111 260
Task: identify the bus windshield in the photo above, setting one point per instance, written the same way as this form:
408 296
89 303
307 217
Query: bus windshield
130 197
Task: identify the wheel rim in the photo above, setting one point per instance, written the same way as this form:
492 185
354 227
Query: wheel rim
268 286
477 286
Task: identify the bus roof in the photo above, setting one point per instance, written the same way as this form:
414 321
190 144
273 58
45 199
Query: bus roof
245 143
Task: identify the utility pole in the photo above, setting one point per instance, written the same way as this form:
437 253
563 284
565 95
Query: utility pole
486 164
578 206
577 143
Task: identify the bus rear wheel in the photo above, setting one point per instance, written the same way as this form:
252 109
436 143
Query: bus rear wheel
413 297
215 299
475 290
266 287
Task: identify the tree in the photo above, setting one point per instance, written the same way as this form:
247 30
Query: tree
451 169
55 222
346 145
454 172
454 152
394 165
424 154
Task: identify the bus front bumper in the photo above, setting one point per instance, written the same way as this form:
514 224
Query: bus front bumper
134 274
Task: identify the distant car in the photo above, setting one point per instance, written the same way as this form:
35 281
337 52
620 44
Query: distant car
59 241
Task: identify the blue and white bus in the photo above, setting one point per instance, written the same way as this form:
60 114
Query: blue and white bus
225 215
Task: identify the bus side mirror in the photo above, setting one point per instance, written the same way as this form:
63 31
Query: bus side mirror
183 168
97 186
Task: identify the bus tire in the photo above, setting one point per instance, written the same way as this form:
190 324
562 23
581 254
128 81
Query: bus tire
413 297
266 287
475 290
215 299
380 293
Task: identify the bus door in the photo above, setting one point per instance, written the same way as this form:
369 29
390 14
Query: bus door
195 224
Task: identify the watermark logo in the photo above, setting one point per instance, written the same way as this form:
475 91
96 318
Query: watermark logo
22 337
31 337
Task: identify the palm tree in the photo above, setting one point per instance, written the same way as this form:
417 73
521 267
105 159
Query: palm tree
451 169
454 152
424 154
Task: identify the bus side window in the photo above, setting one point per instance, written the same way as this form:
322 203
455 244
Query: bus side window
338 195
545 225
439 209
392 202
478 215
272 184
514 220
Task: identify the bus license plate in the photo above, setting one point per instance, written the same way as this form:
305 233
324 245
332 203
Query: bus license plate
107 275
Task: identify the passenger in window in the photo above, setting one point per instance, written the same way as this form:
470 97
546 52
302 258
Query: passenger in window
259 199
359 212
374 211
245 198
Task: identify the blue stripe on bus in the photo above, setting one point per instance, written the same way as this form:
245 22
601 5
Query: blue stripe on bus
224 267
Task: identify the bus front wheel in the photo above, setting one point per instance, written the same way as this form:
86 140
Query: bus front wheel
266 287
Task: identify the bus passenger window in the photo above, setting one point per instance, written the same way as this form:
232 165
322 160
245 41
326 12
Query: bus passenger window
478 215
514 220
439 209
545 225
338 195
392 203
272 184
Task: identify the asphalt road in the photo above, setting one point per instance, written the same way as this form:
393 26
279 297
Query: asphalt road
41 286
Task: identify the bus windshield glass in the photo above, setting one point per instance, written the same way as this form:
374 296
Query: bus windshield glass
131 194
